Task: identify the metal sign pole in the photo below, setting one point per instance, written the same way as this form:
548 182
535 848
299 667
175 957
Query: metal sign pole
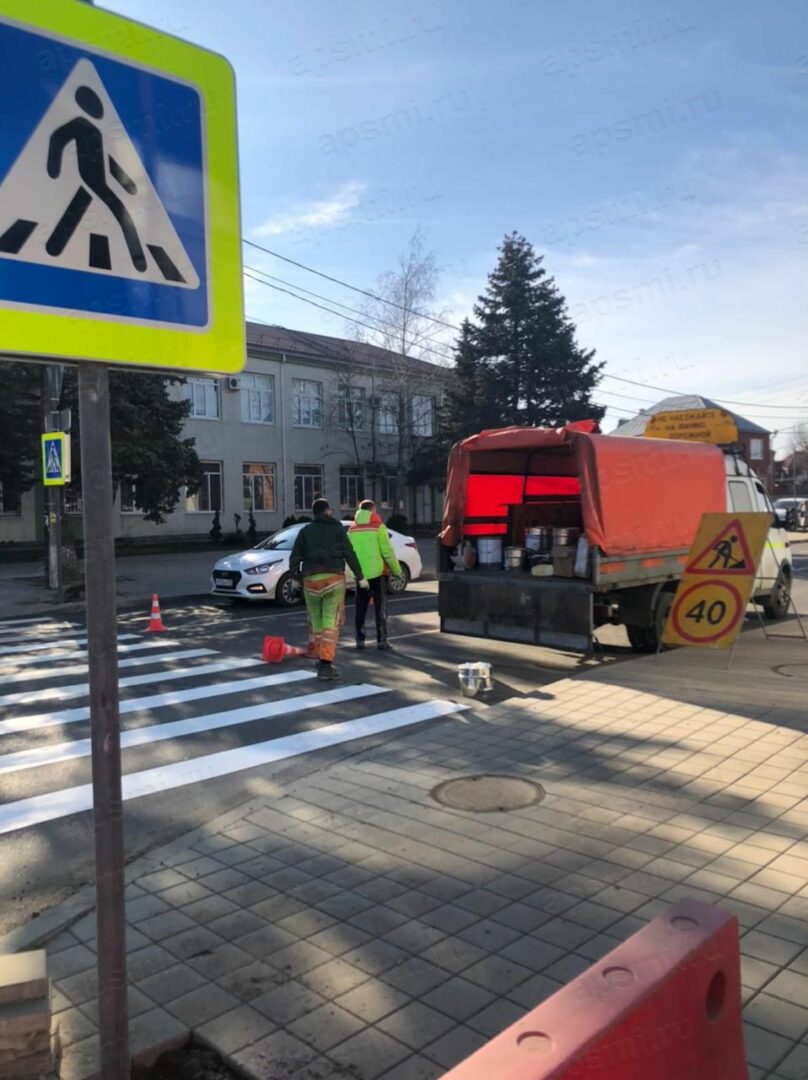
102 647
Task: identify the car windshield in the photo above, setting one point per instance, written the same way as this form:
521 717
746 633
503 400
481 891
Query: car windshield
280 541
783 504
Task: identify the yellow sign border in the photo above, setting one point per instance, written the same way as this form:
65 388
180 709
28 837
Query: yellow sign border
220 347
64 439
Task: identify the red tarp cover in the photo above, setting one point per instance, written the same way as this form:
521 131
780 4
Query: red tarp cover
636 494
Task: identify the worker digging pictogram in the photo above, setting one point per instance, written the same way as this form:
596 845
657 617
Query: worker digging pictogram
91 205
726 553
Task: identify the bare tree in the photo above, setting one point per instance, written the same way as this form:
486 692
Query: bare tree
403 324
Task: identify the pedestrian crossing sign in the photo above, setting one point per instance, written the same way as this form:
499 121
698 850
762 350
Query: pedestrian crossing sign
119 208
55 458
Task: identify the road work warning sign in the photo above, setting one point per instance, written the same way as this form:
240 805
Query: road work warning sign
711 599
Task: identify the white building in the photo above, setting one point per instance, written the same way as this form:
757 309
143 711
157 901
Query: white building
309 415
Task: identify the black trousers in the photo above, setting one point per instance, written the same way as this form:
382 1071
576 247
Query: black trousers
378 592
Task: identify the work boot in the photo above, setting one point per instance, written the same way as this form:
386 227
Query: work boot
360 643
327 671
384 646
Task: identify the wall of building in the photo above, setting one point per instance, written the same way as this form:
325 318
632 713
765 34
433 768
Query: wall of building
760 456
231 441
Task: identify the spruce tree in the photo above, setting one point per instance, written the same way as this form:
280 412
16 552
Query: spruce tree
521 358
468 407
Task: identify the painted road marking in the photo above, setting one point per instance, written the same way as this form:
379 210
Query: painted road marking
64 643
28 622
64 693
81 669
194 725
12 663
36 633
155 701
58 804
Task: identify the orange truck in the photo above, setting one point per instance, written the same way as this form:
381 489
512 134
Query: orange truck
549 533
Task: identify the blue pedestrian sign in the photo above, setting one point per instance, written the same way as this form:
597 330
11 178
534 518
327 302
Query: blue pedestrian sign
55 458
119 222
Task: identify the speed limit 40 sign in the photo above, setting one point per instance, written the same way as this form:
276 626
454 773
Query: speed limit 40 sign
711 600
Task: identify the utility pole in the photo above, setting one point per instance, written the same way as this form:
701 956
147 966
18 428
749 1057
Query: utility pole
52 379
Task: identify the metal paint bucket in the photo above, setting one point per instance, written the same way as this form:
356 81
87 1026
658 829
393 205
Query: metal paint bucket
514 558
489 551
539 539
566 536
475 677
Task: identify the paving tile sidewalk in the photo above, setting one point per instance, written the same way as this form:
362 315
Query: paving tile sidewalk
352 927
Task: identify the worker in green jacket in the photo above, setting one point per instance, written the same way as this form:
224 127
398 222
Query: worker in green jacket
371 542
320 553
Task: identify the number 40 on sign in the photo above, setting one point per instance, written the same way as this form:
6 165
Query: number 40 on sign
711 600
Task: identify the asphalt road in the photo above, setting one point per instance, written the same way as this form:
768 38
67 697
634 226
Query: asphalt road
207 725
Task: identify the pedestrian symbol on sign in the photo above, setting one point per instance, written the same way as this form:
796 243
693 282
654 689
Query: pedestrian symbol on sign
79 197
53 465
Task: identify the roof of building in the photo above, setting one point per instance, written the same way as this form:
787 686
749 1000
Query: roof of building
301 343
681 403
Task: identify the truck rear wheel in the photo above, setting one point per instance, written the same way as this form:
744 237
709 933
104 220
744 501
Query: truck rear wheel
647 639
777 603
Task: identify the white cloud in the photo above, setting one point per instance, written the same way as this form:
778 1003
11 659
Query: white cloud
316 214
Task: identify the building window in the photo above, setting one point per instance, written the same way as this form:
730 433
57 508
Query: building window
388 414
351 410
129 497
259 486
388 491
257 399
351 486
204 397
9 500
74 504
423 415
307 403
756 449
208 497
308 485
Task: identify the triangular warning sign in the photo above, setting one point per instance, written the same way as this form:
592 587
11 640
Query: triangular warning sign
53 466
727 552
78 196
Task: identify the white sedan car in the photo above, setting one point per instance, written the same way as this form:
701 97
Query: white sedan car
262 573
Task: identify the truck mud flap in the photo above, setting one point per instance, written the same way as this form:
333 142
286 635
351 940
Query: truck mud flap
509 609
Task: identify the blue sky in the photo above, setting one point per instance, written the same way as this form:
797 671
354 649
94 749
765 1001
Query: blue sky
656 154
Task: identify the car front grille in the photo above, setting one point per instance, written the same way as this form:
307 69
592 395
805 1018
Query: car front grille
227 579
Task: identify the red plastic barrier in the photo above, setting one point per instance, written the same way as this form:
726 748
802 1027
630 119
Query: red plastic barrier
664 1005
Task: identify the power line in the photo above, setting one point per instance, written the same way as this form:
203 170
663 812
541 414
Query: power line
322 307
453 326
328 299
345 284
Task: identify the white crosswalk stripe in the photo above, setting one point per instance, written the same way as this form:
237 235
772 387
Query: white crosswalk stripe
13 663
63 643
176 743
6 624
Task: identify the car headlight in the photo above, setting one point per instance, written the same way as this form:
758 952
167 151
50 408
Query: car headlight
264 568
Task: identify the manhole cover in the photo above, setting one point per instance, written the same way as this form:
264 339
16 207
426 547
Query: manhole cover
487 793
792 671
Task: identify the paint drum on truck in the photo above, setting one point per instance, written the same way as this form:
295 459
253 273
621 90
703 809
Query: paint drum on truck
489 551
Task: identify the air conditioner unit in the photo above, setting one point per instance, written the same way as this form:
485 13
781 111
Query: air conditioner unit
234 383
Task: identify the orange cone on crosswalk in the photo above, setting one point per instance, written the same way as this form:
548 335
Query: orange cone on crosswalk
156 621
275 650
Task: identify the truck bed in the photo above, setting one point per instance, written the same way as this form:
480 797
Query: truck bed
513 605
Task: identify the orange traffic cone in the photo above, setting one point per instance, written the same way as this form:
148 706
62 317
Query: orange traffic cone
156 621
275 649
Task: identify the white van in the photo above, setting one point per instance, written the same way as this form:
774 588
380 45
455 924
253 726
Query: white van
745 493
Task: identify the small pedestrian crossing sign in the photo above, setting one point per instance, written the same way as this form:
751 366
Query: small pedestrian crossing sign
56 458
119 215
